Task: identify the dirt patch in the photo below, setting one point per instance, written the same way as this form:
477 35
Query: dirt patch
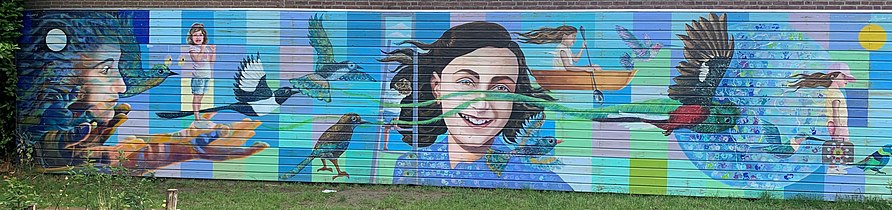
361 195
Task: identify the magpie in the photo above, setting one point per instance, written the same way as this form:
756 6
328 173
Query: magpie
254 96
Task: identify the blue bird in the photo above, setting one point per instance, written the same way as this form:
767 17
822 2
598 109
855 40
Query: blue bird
877 160
532 148
140 80
316 84
331 144
254 96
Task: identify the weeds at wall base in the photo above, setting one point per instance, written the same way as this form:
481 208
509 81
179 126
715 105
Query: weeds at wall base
99 187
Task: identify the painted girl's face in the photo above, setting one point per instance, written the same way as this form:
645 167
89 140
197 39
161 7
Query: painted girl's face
102 80
843 79
485 69
569 39
197 37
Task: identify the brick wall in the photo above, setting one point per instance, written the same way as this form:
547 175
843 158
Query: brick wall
474 4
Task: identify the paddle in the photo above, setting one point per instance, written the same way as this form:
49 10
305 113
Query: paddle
597 95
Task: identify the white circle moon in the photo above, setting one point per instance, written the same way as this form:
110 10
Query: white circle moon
56 39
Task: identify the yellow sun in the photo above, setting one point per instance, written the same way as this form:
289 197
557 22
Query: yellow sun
872 37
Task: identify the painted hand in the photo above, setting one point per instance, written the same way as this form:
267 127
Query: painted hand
217 143
596 67
97 134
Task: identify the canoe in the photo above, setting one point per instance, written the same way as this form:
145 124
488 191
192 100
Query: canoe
578 80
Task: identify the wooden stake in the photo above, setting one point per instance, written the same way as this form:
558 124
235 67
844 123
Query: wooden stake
32 207
171 199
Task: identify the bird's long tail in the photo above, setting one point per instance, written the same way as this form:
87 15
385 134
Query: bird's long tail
663 124
172 115
300 166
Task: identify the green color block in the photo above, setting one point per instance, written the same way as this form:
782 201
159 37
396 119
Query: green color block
647 165
647 176
266 161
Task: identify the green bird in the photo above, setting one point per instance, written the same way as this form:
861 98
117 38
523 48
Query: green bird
316 85
877 160
136 78
331 144
140 80
778 147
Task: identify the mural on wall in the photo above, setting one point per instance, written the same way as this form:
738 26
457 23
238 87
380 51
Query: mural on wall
715 104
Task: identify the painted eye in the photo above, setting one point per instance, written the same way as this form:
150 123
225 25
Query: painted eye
502 88
466 82
550 141
160 71
353 119
105 69
351 66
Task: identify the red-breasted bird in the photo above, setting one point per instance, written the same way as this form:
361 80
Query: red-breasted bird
331 144
644 49
708 50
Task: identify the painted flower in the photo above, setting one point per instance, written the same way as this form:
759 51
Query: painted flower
838 152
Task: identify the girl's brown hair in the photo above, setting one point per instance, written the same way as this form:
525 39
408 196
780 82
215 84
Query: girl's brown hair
195 28
456 42
546 35
813 80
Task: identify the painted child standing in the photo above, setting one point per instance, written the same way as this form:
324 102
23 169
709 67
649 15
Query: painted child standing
838 152
203 57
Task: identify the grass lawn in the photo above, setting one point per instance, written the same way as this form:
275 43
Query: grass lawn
227 194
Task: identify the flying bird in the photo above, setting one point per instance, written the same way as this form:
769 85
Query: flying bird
644 49
255 98
708 51
136 78
330 146
877 160
140 80
778 147
316 84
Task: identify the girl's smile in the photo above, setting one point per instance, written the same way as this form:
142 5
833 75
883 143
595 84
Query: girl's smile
475 122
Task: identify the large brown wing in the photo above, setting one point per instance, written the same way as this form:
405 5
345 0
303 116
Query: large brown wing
707 50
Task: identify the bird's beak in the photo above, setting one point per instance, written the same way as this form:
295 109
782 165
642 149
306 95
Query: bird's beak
174 74
559 141
365 122
359 67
